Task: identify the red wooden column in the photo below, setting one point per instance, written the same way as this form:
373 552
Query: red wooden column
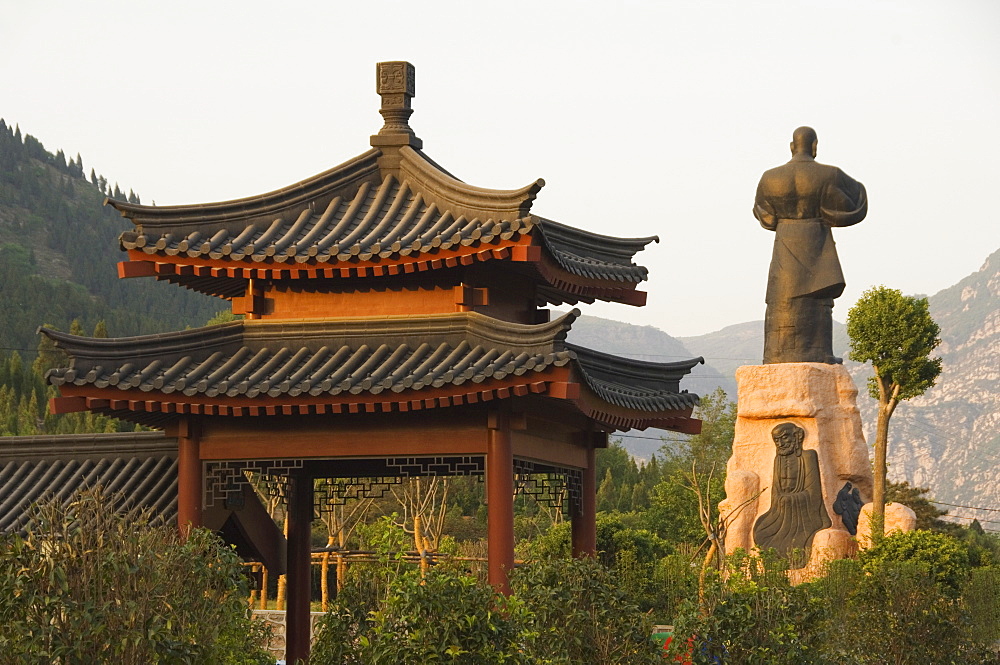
189 477
300 513
584 520
500 501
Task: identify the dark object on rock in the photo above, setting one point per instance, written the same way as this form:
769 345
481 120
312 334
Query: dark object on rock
801 201
797 511
848 505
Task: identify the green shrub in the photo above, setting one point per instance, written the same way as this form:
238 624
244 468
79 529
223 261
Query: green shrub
576 614
946 559
445 617
754 615
90 585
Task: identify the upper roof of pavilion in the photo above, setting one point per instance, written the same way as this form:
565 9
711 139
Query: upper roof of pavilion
388 211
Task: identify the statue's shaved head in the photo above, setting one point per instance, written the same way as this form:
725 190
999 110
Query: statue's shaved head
804 140
788 438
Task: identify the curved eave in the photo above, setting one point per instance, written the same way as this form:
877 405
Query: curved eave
633 394
280 200
393 364
201 343
592 255
453 194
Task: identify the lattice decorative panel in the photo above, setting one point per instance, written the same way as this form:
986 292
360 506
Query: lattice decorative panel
225 480
556 487
437 466
330 492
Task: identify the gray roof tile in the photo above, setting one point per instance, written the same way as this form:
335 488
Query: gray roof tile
140 466
251 359
354 213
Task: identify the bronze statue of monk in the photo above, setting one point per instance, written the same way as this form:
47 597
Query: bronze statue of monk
801 201
797 511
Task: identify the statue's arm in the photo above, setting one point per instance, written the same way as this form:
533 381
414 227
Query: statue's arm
764 211
844 202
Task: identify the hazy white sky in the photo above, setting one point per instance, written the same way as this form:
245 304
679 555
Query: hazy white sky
643 117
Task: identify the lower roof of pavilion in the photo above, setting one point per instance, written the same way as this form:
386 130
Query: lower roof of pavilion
360 365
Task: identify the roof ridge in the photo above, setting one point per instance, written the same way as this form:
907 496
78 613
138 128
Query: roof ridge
451 193
298 193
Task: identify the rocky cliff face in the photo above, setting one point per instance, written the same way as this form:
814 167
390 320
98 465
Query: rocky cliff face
947 440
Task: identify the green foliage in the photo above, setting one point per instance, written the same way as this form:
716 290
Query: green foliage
915 498
756 616
892 611
223 316
897 335
714 445
576 614
88 584
943 558
24 400
442 618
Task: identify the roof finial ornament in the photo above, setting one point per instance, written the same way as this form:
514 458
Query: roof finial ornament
395 82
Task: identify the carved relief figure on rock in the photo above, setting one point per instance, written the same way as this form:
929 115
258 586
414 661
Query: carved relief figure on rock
797 511
801 201
848 505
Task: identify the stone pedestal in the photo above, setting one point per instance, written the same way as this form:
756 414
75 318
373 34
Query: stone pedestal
822 400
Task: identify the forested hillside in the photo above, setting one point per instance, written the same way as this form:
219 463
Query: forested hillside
58 250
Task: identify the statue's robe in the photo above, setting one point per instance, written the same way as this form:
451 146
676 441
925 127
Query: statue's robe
801 201
797 511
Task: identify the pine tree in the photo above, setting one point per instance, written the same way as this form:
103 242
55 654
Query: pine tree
607 497
93 176
101 329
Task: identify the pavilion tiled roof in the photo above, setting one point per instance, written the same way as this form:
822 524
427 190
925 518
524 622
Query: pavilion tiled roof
393 359
140 466
360 220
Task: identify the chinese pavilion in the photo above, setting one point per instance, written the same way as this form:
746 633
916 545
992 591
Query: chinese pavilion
392 328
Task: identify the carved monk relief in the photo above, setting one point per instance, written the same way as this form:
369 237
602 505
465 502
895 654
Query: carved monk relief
797 511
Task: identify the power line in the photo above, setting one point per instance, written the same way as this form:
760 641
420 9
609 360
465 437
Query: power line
966 517
955 505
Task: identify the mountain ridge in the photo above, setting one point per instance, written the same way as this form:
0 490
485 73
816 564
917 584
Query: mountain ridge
947 439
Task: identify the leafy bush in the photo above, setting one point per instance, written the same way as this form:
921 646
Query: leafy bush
88 584
576 614
945 559
444 617
752 616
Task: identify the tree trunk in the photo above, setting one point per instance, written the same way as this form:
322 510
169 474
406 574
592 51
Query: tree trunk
885 410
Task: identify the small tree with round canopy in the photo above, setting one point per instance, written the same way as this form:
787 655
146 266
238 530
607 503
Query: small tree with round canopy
896 334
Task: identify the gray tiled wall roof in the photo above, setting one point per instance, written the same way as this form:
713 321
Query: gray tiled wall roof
140 466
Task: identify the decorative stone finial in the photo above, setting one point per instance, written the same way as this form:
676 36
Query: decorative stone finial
395 82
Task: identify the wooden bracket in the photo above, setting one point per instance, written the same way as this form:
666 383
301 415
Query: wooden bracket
250 305
467 297
67 404
136 269
526 253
